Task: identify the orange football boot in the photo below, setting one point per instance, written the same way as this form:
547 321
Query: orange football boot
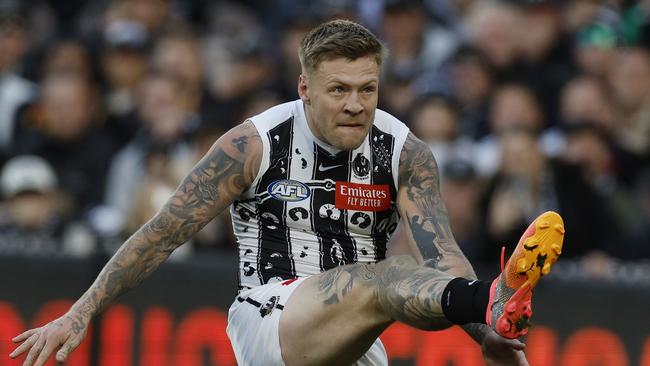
509 308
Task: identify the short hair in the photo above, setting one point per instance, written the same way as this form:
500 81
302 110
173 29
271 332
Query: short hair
339 39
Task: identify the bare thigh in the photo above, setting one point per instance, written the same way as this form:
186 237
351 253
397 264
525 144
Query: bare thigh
332 318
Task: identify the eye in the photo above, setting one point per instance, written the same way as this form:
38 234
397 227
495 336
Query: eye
337 90
369 89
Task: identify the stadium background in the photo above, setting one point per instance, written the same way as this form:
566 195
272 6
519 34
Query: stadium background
527 106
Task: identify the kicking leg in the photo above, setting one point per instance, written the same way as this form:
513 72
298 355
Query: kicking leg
334 317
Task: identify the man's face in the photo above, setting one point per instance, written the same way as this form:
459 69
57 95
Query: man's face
341 97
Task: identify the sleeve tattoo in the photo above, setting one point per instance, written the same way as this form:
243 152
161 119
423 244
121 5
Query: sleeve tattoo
424 211
427 222
219 178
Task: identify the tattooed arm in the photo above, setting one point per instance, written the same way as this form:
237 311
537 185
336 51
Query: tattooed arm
427 224
213 184
423 211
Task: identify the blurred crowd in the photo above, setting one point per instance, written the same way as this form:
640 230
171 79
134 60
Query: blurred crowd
527 106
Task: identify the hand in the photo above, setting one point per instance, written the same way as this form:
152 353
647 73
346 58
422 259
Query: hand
64 333
499 351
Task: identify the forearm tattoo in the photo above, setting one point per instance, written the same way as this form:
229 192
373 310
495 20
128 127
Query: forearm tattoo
221 176
427 221
421 204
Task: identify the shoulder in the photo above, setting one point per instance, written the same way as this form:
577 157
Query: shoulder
413 144
275 115
238 151
389 123
241 141
415 158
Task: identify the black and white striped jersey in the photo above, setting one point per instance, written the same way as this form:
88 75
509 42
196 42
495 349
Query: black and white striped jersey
313 207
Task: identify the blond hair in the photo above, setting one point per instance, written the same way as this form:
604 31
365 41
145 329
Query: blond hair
338 39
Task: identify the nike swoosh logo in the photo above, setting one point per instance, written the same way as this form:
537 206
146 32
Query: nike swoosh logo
471 283
322 168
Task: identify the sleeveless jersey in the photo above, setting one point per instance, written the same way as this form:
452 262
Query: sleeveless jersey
313 207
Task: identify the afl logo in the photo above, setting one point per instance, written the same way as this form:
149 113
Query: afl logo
288 190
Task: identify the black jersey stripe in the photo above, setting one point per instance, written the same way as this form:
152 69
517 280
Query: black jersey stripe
336 245
274 245
353 242
381 147
374 213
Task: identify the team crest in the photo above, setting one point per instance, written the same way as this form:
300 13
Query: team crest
361 166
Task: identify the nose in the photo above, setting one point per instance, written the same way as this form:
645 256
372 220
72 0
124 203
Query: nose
353 105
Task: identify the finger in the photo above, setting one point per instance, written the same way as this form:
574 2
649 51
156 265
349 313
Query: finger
50 345
514 344
23 347
24 335
36 349
65 350
517 344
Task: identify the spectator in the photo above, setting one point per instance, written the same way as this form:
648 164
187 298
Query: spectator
494 28
64 126
166 125
630 83
416 44
68 56
35 216
123 63
588 147
585 98
435 121
513 107
415 49
595 49
473 81
526 184
546 56
237 60
178 55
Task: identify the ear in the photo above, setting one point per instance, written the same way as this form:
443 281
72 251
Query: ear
303 90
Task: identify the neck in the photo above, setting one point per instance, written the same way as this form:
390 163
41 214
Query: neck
310 121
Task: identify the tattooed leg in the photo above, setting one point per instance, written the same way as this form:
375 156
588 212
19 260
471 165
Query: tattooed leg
334 317
412 293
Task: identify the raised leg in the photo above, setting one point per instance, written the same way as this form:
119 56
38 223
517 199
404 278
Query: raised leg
334 317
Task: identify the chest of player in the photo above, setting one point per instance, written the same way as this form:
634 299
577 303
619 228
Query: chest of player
330 199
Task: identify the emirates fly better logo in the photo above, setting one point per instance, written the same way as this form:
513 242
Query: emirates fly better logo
362 197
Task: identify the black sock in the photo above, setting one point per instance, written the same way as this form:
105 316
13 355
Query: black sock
465 301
